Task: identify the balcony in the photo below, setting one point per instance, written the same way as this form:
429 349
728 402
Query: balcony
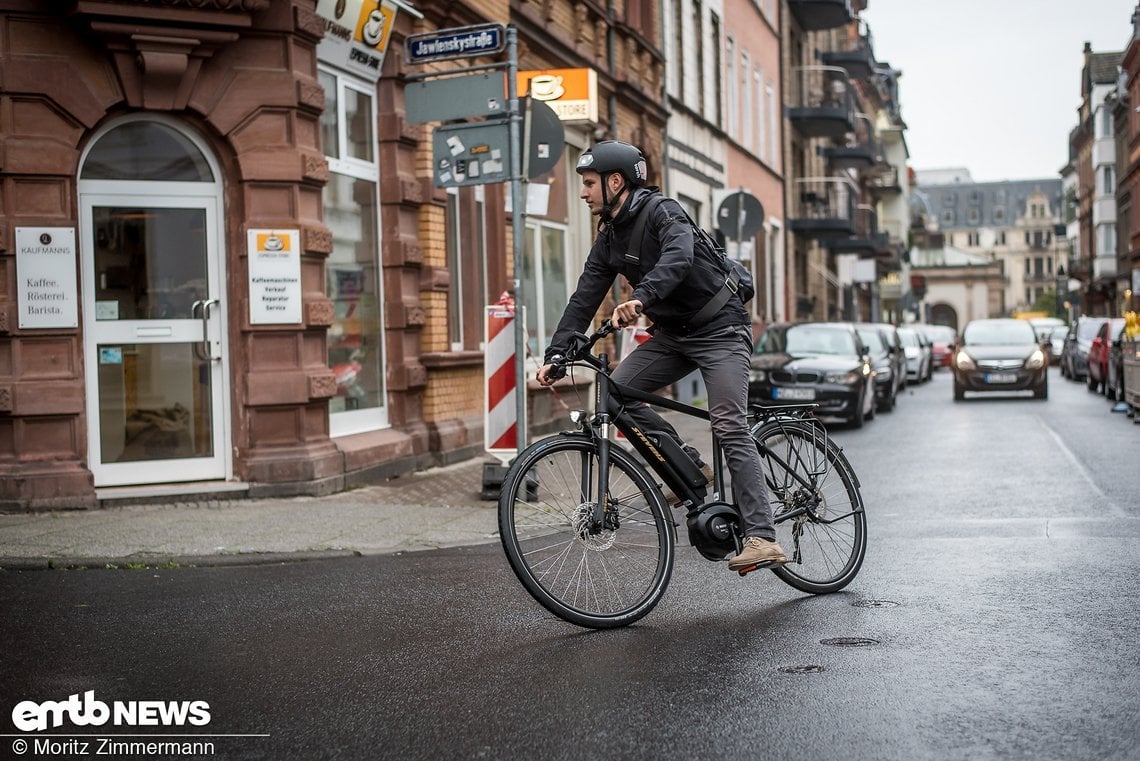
813 15
859 151
823 104
823 208
854 54
884 182
865 239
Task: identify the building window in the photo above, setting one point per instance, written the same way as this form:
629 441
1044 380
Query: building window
947 216
773 126
352 270
974 215
699 50
465 224
999 214
679 46
761 125
1108 181
718 75
746 133
730 93
1001 238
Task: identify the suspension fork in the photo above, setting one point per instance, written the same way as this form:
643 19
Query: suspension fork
603 422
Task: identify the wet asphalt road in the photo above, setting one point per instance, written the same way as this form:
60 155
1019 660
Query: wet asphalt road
996 616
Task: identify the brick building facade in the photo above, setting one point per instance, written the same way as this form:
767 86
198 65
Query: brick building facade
201 152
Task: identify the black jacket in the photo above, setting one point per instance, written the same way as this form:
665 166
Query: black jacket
670 283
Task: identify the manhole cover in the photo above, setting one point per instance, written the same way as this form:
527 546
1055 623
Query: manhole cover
849 641
810 668
875 604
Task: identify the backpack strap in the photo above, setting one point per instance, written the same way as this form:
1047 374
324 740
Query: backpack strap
637 237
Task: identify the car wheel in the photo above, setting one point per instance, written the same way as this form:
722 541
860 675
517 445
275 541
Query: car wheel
959 391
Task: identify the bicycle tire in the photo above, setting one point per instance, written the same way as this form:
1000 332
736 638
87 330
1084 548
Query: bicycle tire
597 581
827 543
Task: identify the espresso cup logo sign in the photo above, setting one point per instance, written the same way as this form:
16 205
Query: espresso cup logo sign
274 277
357 33
547 87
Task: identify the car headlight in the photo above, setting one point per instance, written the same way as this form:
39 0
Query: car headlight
964 361
1036 360
845 378
757 376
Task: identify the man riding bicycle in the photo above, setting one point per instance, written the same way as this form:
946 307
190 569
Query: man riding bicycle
672 286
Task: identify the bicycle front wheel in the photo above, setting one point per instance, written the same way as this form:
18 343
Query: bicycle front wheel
601 578
818 510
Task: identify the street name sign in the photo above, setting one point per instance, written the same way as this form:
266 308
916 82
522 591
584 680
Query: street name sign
456 42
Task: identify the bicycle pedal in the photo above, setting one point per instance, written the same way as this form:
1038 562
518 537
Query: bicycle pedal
758 567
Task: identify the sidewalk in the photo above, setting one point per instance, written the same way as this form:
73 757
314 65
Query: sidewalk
435 508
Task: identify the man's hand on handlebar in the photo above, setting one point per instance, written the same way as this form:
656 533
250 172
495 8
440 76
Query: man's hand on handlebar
547 374
626 313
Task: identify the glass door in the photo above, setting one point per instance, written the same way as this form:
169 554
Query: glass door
154 333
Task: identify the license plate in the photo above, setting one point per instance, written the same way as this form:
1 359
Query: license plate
798 394
1001 378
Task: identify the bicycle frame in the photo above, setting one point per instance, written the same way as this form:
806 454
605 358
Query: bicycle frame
658 461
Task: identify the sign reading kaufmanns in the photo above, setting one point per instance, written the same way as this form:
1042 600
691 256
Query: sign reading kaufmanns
47 293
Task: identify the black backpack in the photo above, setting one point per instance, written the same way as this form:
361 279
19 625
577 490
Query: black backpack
737 280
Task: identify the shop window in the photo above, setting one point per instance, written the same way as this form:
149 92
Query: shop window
353 275
146 151
466 261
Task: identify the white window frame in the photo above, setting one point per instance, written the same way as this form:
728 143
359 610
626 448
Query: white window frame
351 422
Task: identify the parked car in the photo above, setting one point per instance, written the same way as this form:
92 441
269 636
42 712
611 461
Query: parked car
919 358
941 339
884 362
818 362
1114 378
894 343
1075 353
1098 351
1051 330
1000 354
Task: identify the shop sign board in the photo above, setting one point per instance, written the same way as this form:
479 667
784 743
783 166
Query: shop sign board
571 93
47 290
456 42
274 277
357 33
474 153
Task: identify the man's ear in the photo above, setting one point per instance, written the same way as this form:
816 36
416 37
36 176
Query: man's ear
616 181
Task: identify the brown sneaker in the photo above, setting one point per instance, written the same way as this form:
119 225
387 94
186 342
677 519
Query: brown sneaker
757 551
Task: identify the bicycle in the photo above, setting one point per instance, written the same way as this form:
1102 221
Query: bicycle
605 562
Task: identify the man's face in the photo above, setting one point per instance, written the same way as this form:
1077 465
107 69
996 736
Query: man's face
592 189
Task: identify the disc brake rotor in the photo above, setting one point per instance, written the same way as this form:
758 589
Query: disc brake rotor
580 521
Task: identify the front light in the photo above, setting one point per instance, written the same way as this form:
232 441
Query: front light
1036 360
963 361
757 376
845 378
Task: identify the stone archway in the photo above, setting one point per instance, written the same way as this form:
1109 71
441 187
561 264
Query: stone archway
944 314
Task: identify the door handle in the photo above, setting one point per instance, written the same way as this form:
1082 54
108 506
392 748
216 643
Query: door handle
204 350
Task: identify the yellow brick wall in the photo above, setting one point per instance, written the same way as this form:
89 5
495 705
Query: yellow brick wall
454 392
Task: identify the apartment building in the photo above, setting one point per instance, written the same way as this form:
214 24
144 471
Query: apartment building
229 265
1094 148
1127 129
1017 224
844 159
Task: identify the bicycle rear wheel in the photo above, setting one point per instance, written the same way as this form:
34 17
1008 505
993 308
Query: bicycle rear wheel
598 580
820 521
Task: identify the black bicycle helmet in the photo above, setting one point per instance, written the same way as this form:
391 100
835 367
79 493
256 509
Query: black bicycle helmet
611 156
615 156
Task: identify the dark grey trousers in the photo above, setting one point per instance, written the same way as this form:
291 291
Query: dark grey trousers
723 360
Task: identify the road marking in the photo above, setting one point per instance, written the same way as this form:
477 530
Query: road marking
1115 508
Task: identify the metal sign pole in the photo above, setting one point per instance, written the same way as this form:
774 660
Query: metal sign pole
518 222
